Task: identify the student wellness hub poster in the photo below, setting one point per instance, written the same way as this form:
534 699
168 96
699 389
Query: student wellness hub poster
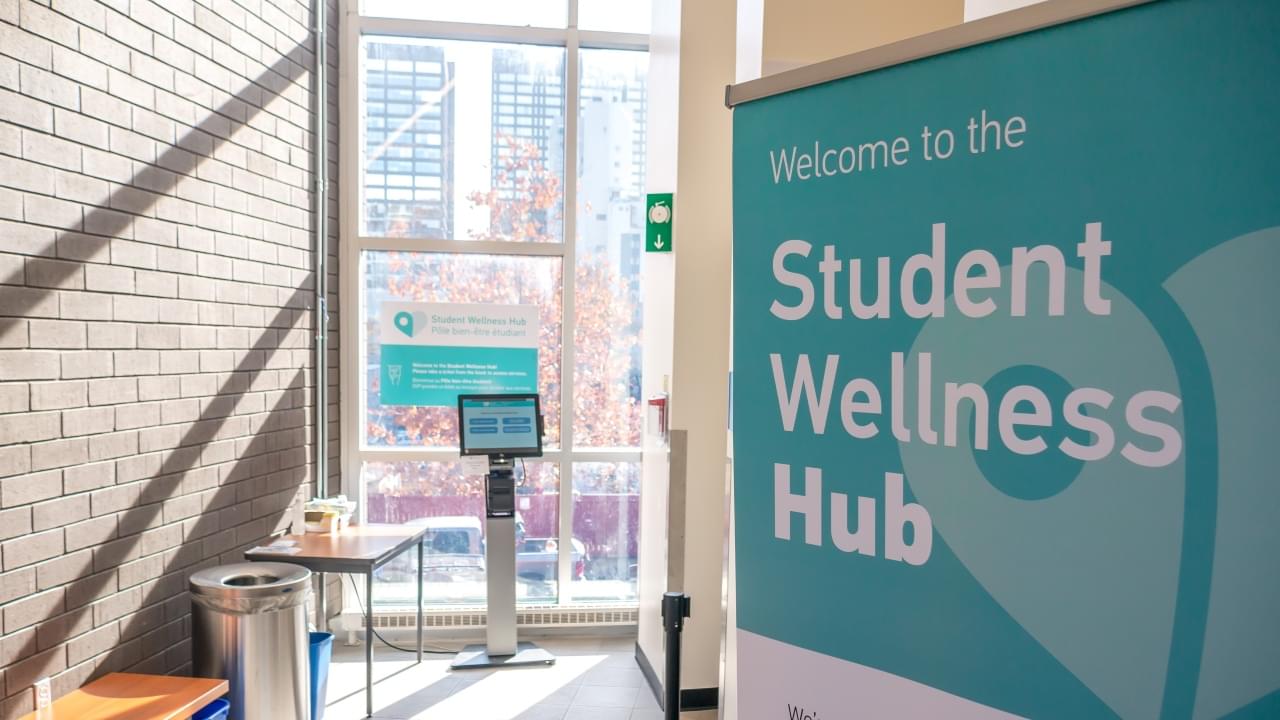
1005 351
434 352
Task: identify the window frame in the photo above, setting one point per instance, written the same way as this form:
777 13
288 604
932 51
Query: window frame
353 27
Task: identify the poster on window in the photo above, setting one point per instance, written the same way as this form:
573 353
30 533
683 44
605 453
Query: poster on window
1005 381
434 352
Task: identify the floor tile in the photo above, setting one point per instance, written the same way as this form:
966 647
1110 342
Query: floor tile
584 712
604 696
593 678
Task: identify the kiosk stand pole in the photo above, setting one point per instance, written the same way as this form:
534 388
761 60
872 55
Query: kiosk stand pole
502 648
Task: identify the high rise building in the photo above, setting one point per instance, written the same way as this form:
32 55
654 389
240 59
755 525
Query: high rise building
527 108
408 141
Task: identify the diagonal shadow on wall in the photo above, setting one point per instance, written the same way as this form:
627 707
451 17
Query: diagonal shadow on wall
239 483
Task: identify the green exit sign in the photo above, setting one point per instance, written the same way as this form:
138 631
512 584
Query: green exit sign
658 215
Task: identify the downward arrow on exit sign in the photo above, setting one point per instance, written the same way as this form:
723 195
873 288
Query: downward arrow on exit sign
658 215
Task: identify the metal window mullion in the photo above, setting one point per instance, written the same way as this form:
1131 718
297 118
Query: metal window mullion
440 30
606 40
351 392
568 275
461 247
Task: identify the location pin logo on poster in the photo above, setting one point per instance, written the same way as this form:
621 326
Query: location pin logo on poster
409 323
1078 553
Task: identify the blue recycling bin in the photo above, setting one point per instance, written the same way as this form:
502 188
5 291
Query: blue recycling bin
217 710
321 648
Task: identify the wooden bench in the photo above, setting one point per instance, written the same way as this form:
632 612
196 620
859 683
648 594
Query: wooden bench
132 696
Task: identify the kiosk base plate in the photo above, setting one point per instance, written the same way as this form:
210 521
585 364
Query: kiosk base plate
477 656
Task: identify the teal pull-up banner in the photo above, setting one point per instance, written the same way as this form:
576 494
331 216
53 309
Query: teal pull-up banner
1005 378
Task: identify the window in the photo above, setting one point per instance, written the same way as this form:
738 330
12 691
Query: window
499 158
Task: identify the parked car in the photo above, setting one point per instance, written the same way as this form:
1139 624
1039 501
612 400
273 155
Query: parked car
455 552
537 558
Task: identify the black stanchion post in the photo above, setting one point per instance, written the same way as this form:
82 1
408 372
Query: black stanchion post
675 608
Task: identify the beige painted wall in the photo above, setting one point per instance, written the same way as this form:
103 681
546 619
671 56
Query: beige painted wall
800 32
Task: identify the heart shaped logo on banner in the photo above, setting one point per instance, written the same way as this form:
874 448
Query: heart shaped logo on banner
1083 555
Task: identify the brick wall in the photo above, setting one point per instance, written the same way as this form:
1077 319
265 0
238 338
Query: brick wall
156 338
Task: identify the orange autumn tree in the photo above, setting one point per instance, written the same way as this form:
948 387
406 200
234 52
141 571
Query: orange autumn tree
524 206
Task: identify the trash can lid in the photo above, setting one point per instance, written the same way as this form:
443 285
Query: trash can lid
250 580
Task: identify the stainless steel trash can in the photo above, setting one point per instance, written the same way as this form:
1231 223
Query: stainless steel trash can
249 626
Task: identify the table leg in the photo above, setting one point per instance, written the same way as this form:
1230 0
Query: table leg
421 542
368 644
321 624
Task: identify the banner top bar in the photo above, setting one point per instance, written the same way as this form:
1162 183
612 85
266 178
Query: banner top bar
1015 22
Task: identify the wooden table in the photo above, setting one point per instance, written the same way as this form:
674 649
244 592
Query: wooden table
358 549
131 696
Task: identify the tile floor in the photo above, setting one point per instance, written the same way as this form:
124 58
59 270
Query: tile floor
593 679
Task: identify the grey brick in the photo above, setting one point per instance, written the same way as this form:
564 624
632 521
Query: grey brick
14 460
128 32
88 421
14 397
85 12
116 168
89 477
61 214
28 365
157 284
114 499
131 144
30 427
133 308
137 415
80 188
59 395
62 334
113 445
81 305
110 391
117 606
155 232
86 365
26 175
163 387
83 248
59 454
112 335
30 549
174 260
46 273
108 278
13 334
179 361
137 362
23 674
98 45
25 46
45 86
80 68
60 512
91 533
93 643
43 21
107 108
33 609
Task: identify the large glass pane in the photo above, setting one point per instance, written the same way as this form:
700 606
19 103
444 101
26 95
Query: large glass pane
606 521
451 505
462 140
611 177
538 13
633 16
455 278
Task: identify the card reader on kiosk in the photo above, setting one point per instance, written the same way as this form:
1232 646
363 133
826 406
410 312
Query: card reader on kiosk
504 427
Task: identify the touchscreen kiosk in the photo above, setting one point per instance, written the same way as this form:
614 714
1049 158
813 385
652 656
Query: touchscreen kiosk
504 425
504 428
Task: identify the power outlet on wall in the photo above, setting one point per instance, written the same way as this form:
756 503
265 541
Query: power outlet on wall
44 693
